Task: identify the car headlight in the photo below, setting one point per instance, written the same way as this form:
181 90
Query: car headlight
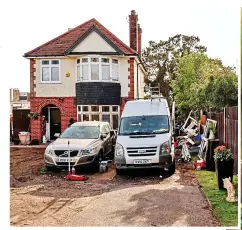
49 150
119 150
88 151
165 148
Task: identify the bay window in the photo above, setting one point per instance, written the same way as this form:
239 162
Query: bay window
50 71
105 69
108 113
84 69
115 69
97 69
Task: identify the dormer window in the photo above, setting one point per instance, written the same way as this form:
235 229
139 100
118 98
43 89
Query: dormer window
97 69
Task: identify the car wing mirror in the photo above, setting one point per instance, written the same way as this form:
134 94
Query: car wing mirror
103 136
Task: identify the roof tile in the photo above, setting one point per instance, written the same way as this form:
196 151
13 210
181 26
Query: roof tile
59 45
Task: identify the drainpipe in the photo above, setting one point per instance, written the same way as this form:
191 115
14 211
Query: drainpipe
138 79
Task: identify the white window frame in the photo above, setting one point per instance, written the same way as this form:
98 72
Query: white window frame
100 68
49 65
90 113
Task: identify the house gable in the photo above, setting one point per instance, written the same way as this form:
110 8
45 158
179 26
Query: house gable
65 43
93 43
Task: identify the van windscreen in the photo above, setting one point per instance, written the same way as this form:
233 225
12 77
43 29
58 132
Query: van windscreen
155 124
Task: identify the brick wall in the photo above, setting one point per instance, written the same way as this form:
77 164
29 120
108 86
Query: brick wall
32 77
131 78
139 40
67 109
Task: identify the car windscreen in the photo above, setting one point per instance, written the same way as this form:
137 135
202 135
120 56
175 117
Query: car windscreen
81 132
155 124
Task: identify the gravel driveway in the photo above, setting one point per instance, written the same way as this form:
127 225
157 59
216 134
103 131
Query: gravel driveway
137 199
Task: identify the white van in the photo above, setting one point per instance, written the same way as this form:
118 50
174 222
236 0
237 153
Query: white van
144 138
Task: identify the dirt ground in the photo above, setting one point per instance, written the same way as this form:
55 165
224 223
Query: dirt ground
138 198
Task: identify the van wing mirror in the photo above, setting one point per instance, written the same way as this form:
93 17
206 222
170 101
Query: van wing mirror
112 133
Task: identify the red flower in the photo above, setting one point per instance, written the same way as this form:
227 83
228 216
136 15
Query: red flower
220 148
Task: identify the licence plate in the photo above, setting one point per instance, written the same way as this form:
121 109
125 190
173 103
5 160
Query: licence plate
142 161
64 160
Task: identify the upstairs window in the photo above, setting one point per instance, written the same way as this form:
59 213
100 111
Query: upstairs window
97 69
94 69
50 71
115 69
105 69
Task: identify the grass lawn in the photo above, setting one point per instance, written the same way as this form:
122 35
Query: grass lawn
226 213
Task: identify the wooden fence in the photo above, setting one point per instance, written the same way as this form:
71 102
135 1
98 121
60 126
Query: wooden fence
21 121
227 130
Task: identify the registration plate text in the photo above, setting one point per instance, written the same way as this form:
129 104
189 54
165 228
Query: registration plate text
142 161
64 160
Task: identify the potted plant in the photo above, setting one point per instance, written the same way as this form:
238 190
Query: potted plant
212 130
224 164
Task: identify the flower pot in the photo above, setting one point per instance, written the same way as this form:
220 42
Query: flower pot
24 137
224 169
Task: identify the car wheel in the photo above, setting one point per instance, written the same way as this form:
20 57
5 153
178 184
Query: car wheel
96 165
52 169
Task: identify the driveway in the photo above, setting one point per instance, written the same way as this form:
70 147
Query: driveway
135 199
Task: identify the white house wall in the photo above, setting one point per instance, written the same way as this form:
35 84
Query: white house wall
140 81
67 87
123 78
93 43
64 89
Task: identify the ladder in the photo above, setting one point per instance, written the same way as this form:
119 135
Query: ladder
155 90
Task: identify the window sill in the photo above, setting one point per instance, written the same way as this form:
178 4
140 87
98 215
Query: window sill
98 81
52 82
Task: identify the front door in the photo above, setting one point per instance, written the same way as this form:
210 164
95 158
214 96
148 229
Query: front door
55 122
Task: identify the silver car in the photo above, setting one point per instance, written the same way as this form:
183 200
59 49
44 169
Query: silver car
89 143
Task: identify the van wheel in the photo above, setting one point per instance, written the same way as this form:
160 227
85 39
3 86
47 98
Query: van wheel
172 169
119 171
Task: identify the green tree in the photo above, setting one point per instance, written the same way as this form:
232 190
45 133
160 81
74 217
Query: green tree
161 59
202 83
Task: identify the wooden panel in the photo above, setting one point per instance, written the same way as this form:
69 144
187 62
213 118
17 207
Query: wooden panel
21 121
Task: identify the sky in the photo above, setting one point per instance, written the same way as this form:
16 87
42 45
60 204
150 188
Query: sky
27 24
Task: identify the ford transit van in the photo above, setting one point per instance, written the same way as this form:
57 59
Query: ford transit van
144 138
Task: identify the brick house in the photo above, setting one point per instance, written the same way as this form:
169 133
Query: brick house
86 73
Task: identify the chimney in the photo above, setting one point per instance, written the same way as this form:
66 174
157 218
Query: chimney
139 39
133 30
11 97
15 95
28 96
